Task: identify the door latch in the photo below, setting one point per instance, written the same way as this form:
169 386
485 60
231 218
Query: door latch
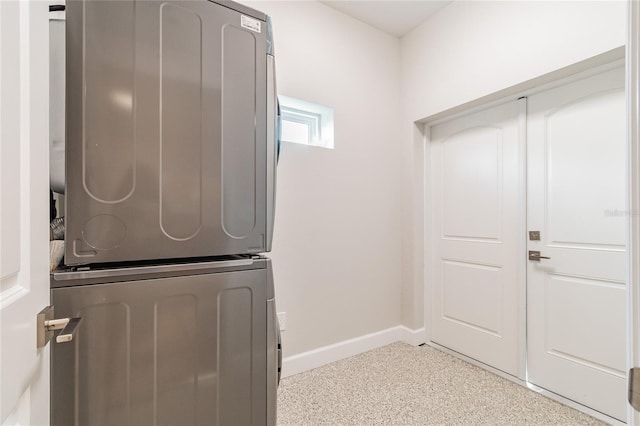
47 325
535 255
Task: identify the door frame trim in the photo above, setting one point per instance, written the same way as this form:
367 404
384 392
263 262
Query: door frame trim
633 190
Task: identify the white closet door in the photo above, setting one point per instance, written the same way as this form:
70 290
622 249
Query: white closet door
474 225
24 206
577 200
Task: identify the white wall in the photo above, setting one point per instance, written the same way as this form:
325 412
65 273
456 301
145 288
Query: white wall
337 240
471 49
348 247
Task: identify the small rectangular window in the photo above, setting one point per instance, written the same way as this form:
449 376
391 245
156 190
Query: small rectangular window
306 123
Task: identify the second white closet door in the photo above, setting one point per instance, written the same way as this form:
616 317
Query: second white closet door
576 297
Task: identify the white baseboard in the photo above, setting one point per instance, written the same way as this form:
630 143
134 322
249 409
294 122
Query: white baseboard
413 337
325 355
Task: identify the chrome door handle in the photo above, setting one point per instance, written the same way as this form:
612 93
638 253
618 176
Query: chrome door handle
535 255
67 325
47 325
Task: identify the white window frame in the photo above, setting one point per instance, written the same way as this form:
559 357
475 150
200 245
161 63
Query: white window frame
317 118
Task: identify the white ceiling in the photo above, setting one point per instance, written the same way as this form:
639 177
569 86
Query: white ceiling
396 17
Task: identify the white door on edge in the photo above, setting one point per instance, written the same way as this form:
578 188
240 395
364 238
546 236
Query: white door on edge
24 204
576 153
474 229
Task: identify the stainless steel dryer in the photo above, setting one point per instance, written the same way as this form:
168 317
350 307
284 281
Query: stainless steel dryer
171 113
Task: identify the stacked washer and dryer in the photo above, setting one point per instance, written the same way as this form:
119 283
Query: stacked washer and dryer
167 188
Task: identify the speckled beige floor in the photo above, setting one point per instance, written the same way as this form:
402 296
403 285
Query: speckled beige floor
404 385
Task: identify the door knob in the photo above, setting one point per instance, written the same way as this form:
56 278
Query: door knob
535 255
47 325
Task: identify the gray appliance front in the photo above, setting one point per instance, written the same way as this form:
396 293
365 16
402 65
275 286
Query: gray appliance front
170 130
196 347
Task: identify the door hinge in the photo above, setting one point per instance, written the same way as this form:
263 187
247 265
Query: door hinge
634 388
